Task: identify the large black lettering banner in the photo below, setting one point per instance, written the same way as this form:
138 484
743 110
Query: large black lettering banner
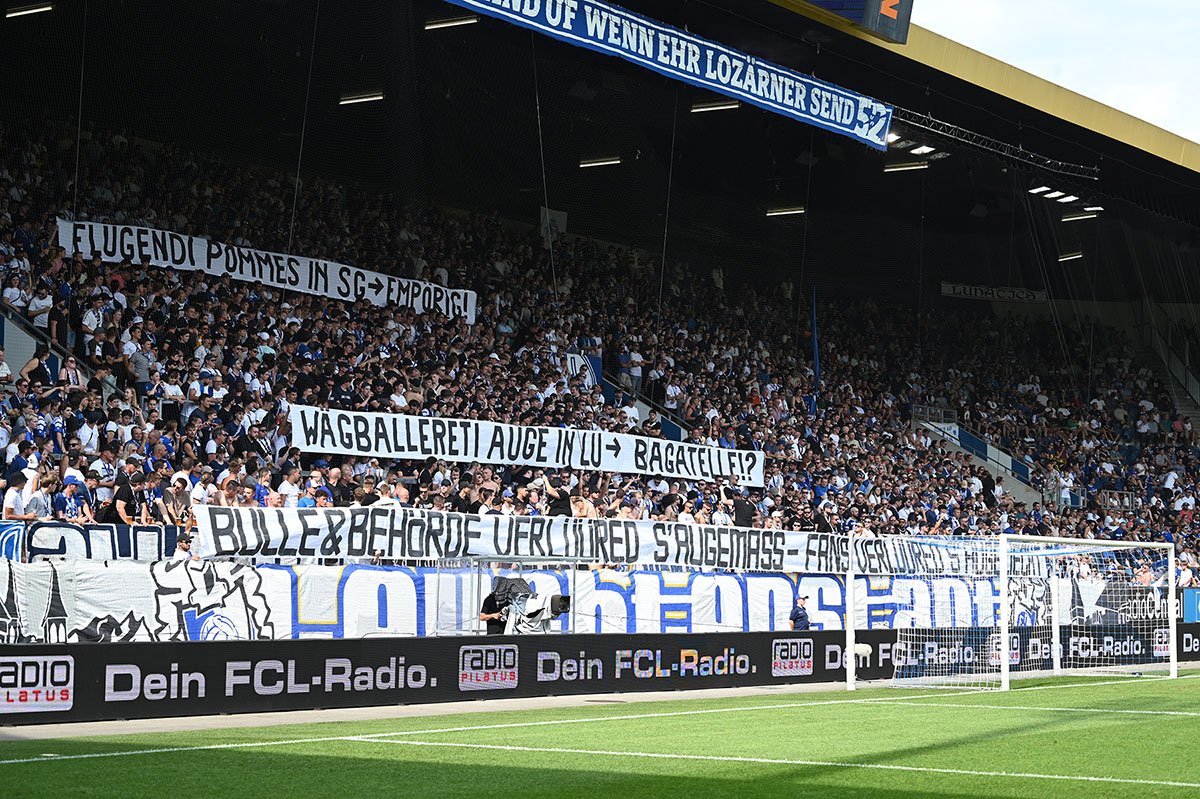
407 533
390 435
897 555
404 533
292 272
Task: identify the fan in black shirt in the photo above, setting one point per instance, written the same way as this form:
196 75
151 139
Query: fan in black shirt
343 494
744 512
559 498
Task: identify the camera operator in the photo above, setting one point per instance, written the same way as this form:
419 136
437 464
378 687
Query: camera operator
490 612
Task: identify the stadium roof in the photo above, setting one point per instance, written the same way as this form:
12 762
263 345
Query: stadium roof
946 55
490 118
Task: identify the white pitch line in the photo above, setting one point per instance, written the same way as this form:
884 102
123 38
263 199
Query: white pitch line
782 762
472 728
1125 681
632 716
169 749
1105 711
1130 680
1019 689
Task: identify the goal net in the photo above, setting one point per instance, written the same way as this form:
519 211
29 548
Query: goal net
1042 607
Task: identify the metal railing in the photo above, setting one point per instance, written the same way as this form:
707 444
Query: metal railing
58 354
934 414
1075 497
665 413
1123 501
1174 350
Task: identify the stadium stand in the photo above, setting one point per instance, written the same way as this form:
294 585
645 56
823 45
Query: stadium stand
194 376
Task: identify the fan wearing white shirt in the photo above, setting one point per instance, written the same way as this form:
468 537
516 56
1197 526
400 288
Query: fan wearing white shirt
40 306
15 501
89 437
204 491
105 466
254 415
289 488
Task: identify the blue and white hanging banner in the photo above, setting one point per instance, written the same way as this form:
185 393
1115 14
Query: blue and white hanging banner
677 54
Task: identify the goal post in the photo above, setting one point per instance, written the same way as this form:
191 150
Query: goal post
1043 607
850 623
1004 564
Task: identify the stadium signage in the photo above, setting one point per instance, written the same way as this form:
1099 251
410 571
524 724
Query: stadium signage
276 270
791 657
264 677
391 435
887 19
406 533
36 683
992 294
487 667
684 56
147 680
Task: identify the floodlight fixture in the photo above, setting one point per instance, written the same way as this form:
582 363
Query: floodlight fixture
360 97
25 10
590 162
715 105
451 22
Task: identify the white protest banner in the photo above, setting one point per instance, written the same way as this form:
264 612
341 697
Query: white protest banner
292 272
388 435
997 294
403 533
408 533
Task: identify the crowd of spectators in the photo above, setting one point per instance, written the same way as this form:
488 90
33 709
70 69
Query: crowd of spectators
194 375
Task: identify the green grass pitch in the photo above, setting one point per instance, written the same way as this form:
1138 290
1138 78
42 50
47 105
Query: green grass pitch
1136 737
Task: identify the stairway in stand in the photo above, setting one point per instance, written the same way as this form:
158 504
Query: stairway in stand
1184 404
